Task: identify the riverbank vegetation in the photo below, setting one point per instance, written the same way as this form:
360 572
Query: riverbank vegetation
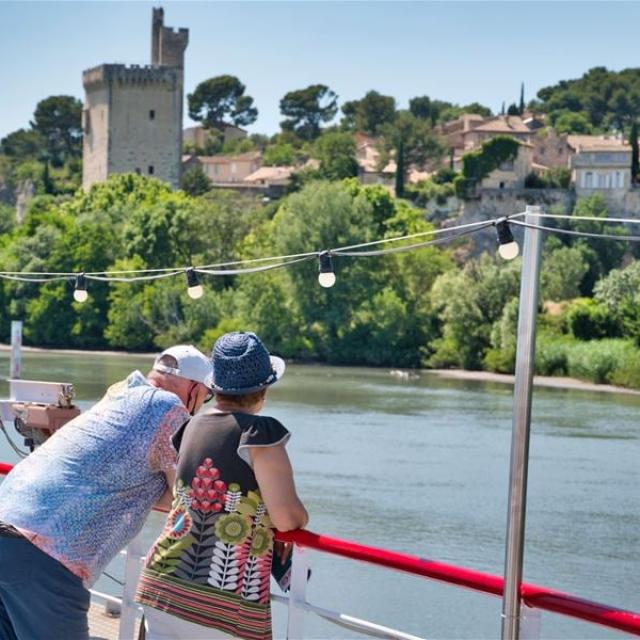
434 307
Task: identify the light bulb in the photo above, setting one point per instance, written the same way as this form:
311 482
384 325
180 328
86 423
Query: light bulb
507 246
80 292
509 251
327 279
80 295
194 290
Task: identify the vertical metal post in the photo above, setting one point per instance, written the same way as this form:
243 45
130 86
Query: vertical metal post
522 392
132 568
16 349
297 594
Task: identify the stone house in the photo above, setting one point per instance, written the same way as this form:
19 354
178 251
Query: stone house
224 170
198 135
600 164
512 173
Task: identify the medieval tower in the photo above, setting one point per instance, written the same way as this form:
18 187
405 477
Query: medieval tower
132 117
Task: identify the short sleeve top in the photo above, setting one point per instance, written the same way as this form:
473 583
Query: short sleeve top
86 492
211 565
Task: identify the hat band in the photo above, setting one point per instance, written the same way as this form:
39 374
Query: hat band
256 387
165 369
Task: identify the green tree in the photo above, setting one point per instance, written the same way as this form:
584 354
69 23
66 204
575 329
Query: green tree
58 119
610 99
23 145
413 143
369 114
336 152
279 155
195 181
618 292
563 269
221 100
572 122
306 109
521 105
468 303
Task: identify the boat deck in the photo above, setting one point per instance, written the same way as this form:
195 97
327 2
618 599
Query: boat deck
103 626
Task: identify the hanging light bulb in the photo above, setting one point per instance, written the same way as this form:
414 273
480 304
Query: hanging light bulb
507 246
326 277
80 292
195 289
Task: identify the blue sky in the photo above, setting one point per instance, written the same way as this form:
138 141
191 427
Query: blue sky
456 51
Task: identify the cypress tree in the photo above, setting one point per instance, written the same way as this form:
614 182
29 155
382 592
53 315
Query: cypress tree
400 171
522 98
635 161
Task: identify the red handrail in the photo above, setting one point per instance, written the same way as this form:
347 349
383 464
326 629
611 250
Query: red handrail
532 595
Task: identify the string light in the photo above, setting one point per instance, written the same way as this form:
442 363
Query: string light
80 292
507 246
195 289
326 277
508 249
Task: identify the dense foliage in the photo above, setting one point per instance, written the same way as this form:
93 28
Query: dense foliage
604 99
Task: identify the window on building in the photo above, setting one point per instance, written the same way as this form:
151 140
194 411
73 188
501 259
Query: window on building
150 169
152 114
588 180
502 185
138 171
86 120
619 180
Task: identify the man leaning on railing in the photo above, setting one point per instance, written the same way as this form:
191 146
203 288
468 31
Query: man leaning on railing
69 507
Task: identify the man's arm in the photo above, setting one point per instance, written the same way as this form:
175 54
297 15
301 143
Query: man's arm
166 499
274 474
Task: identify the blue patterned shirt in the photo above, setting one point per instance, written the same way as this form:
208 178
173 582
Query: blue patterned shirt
86 492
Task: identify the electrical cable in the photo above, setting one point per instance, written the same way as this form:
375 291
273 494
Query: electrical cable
580 234
12 444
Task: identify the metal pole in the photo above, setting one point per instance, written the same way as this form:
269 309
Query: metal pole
522 392
16 349
297 593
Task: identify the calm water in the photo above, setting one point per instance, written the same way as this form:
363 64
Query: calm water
421 466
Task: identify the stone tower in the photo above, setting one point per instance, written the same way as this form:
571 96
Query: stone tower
132 117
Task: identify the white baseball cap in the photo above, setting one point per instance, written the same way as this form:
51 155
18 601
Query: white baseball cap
192 364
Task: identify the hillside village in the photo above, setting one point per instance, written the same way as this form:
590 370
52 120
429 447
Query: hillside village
132 122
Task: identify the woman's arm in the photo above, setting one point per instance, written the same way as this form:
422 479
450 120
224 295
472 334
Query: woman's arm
274 474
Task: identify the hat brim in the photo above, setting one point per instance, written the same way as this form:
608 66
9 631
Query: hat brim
278 368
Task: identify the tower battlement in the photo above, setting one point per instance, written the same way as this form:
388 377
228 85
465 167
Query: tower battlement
133 74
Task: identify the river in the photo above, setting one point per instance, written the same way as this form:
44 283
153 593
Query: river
421 466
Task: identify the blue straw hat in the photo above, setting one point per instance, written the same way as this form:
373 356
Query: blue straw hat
242 364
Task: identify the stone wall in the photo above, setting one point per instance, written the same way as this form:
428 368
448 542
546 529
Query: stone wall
132 121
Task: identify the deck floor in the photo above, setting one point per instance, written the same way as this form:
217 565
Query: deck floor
103 626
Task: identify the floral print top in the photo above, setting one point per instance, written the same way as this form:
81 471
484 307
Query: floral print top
212 563
86 492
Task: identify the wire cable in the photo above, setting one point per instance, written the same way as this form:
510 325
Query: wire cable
580 234
410 247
